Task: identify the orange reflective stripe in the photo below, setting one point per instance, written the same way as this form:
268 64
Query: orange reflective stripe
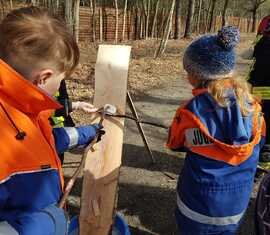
263 127
176 136
256 119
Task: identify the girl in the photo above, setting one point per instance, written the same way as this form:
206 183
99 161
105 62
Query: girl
220 129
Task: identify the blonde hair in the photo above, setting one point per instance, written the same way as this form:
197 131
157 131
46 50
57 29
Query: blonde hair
31 36
242 89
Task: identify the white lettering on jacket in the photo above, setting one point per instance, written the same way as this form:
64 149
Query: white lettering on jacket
195 137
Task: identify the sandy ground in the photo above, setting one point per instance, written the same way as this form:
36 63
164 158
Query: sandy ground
146 196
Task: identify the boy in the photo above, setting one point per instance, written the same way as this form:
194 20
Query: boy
36 53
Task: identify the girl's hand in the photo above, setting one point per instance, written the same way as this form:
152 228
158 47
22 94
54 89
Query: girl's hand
84 106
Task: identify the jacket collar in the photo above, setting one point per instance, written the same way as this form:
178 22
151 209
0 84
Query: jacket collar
226 83
198 91
22 94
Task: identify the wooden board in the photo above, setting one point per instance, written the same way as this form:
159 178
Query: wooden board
102 166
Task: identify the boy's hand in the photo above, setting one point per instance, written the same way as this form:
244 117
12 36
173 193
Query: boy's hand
84 106
100 130
88 133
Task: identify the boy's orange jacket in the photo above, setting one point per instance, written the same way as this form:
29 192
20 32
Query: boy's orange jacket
29 109
31 175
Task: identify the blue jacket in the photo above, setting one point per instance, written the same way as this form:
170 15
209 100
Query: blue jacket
222 152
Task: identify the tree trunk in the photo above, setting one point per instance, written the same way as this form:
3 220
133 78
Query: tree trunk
137 23
130 25
93 9
11 4
141 26
190 16
68 15
161 28
254 10
124 21
199 17
76 8
57 6
51 5
206 21
155 19
116 21
101 23
147 20
224 12
248 25
216 18
33 2
144 17
177 34
212 15
2 15
254 20
166 34
239 23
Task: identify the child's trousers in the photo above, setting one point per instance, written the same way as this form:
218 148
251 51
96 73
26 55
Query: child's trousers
265 151
49 221
190 227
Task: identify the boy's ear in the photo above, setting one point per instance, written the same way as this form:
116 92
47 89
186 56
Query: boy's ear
40 77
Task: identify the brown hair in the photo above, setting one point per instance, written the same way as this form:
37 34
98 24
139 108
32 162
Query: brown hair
30 37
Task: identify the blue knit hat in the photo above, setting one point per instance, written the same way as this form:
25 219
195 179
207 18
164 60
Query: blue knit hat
212 56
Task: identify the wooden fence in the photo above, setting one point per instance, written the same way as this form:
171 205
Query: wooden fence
105 22
108 19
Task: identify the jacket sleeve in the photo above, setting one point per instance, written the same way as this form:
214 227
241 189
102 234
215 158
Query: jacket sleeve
262 141
3 196
69 137
176 137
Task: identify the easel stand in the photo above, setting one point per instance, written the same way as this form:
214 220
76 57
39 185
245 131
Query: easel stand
102 166
139 125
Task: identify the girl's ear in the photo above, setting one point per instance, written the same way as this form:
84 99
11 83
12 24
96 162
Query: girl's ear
41 77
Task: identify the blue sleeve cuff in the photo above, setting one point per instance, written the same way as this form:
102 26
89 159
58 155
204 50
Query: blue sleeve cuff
65 138
69 137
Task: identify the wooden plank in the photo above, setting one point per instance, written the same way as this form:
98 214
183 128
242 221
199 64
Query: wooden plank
102 166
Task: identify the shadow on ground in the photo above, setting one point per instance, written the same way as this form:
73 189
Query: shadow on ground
248 226
138 157
153 208
148 205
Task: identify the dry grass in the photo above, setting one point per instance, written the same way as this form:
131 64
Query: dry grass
145 72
